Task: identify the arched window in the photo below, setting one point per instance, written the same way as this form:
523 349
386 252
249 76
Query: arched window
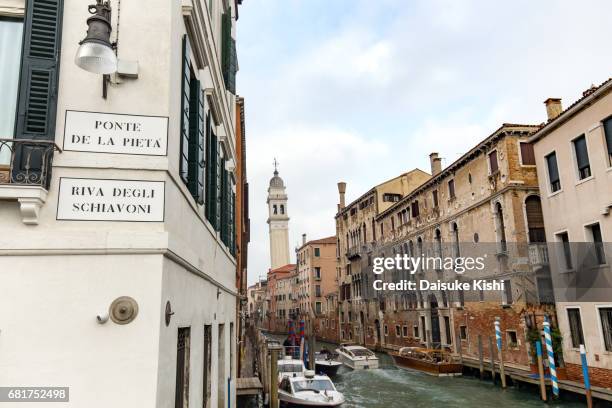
500 226
420 252
455 230
282 209
275 209
438 243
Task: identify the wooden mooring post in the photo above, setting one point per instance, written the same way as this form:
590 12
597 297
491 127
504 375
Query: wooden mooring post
541 370
492 352
480 357
274 350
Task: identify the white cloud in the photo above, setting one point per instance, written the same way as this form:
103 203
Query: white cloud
312 160
361 90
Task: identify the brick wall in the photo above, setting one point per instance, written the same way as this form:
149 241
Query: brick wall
600 377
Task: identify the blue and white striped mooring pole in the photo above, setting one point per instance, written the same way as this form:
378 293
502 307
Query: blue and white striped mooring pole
498 338
585 375
551 358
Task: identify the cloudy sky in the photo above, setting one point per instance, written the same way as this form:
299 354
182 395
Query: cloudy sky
362 90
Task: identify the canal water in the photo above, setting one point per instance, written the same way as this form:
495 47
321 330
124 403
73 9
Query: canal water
390 387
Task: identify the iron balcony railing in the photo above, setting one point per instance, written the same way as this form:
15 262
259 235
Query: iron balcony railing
538 254
27 161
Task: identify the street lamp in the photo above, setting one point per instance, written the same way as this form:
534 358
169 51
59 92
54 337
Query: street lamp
96 53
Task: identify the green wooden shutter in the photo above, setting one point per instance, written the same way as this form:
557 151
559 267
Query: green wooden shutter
608 132
224 206
209 170
226 37
196 142
37 101
201 169
212 205
219 176
233 67
185 105
233 222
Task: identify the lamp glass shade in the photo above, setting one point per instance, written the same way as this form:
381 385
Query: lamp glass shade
96 57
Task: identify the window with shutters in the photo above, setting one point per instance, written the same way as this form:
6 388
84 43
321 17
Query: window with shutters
11 33
193 129
451 189
37 101
207 364
527 154
212 168
607 126
182 368
605 315
224 205
229 60
507 293
434 196
575 326
493 166
553 172
535 219
415 208
582 157
594 232
38 59
565 250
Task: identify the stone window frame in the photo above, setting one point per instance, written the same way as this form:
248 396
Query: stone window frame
461 332
520 154
513 345
589 151
600 327
497 157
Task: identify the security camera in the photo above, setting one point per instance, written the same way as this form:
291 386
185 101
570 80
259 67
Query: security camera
102 318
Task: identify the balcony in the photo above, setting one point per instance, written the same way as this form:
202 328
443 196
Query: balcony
25 174
354 252
538 254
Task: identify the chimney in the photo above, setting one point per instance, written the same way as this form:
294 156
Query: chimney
553 108
436 163
341 191
303 239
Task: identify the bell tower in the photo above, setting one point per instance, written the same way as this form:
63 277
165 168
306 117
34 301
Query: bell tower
278 221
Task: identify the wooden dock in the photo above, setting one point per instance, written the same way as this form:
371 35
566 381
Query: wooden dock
248 386
518 374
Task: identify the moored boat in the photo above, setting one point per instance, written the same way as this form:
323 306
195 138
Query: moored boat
326 362
290 367
434 362
357 357
309 390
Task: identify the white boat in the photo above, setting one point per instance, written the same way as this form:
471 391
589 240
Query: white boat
357 357
290 367
326 363
309 390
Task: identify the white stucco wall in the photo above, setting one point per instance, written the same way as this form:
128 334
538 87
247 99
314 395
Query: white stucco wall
57 275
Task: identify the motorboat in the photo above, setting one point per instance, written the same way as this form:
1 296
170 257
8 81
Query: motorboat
290 367
434 362
326 362
357 357
309 390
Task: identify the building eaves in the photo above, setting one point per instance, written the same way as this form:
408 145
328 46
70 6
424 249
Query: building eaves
587 99
504 129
